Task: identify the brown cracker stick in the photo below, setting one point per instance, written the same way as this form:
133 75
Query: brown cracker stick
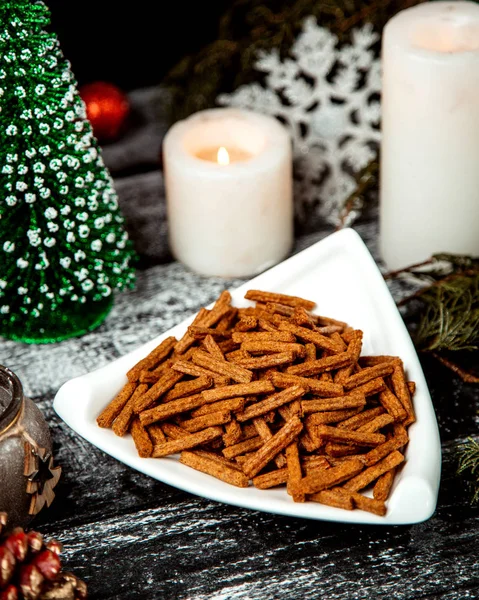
232 404
240 460
157 355
371 505
265 325
370 474
237 356
355 344
315 367
141 438
327 321
310 352
338 340
306 442
274 446
376 424
110 413
367 374
325 478
123 420
294 471
265 347
206 318
268 360
401 390
190 440
169 379
175 407
173 431
197 424
319 340
335 450
189 368
188 388
335 497
378 453
361 419
188 340
319 388
246 323
217 458
346 436
339 403
148 377
248 431
156 434
354 350
278 312
334 416
383 485
288 410
211 467
302 317
392 404
328 329
227 320
271 402
237 373
260 296
227 346
242 447
371 387
310 463
371 361
199 333
271 479
339 460
263 336
233 433
233 391
213 348
265 434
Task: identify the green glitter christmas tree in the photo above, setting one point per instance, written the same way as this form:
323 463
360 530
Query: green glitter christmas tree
63 248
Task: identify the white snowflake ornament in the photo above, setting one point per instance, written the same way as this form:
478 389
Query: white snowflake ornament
328 97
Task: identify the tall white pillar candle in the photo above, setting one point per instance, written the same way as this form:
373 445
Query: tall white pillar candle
228 179
429 190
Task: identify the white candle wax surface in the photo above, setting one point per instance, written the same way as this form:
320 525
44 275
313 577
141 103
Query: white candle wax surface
234 219
429 190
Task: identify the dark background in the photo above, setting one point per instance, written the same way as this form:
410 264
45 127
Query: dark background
132 44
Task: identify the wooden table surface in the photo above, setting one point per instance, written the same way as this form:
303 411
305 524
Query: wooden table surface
131 537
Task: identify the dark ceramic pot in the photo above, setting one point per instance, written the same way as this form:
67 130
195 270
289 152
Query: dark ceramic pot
27 474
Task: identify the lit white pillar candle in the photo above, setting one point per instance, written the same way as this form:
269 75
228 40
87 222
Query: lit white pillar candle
429 191
228 179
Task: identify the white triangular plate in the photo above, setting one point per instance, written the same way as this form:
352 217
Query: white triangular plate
342 277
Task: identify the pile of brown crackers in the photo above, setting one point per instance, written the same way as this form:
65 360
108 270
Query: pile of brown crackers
272 395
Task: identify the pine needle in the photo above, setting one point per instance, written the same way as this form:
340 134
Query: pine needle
469 462
450 319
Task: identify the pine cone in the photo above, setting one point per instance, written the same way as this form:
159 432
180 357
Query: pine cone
30 569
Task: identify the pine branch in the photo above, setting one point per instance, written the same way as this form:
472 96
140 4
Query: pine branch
443 315
469 463
450 317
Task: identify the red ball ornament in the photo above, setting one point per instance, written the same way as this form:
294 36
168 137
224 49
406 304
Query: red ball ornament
107 108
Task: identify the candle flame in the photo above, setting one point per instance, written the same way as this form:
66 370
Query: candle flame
223 157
